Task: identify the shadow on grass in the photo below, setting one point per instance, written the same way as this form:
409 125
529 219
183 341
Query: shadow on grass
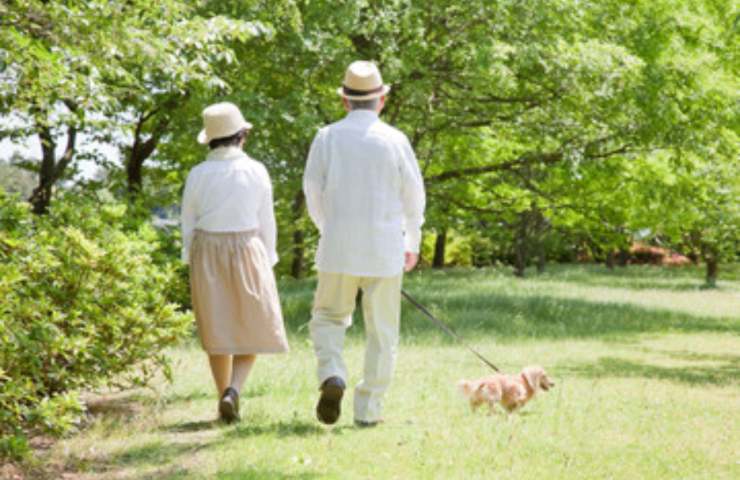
635 277
166 455
155 453
728 373
119 407
702 357
294 428
491 302
167 452
506 317
188 427
188 397
251 392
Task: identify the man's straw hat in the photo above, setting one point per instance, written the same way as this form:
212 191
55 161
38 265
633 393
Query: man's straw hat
362 81
222 120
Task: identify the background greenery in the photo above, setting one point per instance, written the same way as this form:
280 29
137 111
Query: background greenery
545 129
548 131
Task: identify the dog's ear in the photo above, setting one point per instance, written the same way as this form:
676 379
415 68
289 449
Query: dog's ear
532 376
546 383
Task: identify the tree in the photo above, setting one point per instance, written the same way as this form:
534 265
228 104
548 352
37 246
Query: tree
619 91
97 65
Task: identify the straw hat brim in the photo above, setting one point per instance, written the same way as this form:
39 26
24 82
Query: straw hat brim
203 136
384 91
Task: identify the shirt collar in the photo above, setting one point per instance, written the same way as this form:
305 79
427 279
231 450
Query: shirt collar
225 153
362 115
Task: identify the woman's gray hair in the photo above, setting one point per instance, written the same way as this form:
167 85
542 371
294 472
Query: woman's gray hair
370 104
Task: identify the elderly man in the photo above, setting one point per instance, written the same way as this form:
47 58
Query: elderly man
366 196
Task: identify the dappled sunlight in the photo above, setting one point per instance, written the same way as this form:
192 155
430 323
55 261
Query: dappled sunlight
494 302
516 315
699 303
721 373
628 366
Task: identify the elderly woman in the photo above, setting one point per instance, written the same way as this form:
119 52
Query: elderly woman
229 236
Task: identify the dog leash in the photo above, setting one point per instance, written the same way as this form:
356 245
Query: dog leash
444 327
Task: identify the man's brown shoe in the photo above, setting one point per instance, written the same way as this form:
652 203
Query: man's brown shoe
330 402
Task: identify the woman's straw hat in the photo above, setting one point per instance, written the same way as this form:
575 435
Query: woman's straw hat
362 81
222 120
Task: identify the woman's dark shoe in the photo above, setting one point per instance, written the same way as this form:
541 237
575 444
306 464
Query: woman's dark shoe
228 407
330 402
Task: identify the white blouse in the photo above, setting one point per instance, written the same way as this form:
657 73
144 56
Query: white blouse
229 192
365 194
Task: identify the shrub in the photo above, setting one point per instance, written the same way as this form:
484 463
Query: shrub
82 305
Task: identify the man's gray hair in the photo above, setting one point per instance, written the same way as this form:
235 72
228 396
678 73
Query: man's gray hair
370 104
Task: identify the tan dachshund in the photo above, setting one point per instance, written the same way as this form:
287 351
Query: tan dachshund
511 391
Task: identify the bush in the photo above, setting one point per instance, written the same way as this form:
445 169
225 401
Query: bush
82 305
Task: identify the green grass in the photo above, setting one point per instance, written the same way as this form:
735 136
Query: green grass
647 367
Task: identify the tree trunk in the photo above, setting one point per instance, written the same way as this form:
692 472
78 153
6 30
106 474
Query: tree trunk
541 227
520 246
439 249
712 271
133 172
297 266
41 195
541 258
520 260
610 261
51 170
142 149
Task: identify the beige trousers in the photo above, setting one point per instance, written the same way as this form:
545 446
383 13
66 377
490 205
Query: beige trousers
334 303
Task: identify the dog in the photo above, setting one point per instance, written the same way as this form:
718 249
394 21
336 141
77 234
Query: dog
512 392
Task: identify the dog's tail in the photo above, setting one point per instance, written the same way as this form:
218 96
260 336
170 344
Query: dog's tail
466 387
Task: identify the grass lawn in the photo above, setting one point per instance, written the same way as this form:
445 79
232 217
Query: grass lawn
646 365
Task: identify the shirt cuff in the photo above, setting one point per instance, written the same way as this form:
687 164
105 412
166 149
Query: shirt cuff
412 240
273 258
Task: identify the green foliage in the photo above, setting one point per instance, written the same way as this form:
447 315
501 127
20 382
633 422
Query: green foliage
458 251
101 54
559 111
16 180
83 305
117 72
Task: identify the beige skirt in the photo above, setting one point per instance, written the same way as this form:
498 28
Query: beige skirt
234 295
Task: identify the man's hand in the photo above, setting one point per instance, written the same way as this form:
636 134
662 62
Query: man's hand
410 262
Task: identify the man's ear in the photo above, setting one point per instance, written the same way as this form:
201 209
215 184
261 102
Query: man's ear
381 103
345 102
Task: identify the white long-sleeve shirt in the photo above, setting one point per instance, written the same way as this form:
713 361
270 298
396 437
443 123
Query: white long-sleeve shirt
365 194
228 192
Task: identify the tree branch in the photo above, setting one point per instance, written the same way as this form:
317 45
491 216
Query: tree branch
546 158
